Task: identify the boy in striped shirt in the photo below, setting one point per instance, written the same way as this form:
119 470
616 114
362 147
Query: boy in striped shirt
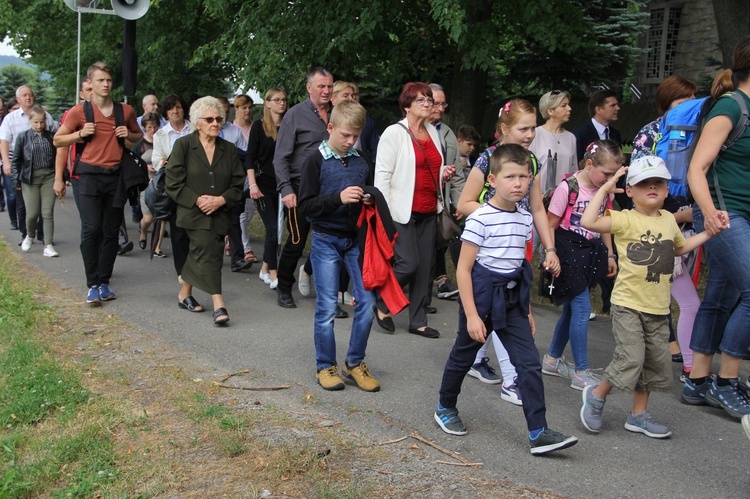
494 281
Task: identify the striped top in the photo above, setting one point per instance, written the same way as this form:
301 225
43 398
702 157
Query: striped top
501 236
42 155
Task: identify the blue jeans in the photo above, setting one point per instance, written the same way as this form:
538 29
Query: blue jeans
10 197
327 254
573 325
723 319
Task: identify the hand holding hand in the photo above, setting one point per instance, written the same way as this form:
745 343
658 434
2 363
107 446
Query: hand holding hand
552 263
59 188
209 204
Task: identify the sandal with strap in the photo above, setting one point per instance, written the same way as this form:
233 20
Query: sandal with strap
190 304
221 312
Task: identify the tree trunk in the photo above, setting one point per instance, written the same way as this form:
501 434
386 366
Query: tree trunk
467 99
732 25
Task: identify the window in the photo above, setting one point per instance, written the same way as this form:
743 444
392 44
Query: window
664 25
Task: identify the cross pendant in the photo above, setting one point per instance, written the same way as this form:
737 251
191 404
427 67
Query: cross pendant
551 285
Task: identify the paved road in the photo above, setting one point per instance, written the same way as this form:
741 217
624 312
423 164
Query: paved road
708 455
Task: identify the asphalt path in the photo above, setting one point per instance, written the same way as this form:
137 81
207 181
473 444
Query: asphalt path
707 456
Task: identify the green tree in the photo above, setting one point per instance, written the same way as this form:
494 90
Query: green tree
166 39
732 25
13 76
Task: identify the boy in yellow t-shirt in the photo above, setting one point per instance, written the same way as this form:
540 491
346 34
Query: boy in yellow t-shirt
647 240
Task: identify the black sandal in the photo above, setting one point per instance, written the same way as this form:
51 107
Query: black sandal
218 313
190 304
142 244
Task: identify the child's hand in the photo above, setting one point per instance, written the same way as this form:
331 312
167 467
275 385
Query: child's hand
476 328
611 184
552 263
352 194
716 222
611 267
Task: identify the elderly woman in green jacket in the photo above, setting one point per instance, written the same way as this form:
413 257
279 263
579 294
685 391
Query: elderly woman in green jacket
205 178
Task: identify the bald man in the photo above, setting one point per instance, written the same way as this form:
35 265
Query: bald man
150 104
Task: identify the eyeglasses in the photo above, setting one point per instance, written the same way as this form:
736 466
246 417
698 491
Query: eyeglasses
444 105
422 101
277 100
211 119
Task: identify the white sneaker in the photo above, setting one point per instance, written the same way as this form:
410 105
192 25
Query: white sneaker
26 244
592 316
510 394
274 283
265 277
49 251
303 283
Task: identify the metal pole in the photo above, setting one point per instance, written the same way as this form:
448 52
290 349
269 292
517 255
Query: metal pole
78 66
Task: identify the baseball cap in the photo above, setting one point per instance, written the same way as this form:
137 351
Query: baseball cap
647 167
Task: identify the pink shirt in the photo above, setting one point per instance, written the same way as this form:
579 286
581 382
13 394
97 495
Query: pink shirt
571 219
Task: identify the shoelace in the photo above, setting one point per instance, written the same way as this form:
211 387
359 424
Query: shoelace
333 371
365 372
485 363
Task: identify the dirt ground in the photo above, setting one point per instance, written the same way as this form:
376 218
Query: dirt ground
183 435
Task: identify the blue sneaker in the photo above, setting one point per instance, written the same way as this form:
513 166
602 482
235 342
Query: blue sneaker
510 394
591 410
106 293
549 441
449 421
731 398
93 296
693 394
646 424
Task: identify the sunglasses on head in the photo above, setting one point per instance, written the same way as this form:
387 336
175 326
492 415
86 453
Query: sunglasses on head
211 119
556 92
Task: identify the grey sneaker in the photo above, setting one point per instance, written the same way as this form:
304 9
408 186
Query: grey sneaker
645 423
449 421
731 398
557 367
550 440
746 424
693 394
446 290
591 411
583 379
484 373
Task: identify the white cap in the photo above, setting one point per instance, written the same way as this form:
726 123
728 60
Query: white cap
647 167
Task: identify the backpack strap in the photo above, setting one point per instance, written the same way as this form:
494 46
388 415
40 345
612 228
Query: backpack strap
88 113
119 120
737 132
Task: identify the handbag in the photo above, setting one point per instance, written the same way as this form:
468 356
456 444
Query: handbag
447 230
155 196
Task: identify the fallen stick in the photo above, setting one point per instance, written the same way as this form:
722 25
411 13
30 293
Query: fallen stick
253 388
460 464
445 451
394 441
227 376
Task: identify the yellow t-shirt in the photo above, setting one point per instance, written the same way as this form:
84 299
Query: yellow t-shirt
645 248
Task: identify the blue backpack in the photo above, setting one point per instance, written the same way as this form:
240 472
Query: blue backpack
679 130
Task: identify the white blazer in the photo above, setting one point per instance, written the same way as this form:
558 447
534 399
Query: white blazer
395 169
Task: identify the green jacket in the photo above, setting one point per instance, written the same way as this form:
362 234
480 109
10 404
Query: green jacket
189 175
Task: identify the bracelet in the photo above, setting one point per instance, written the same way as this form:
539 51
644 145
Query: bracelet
550 250
254 185
79 134
614 257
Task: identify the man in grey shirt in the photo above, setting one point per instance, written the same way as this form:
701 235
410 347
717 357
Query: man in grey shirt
302 130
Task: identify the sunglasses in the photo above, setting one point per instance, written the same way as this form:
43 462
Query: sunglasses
211 119
556 92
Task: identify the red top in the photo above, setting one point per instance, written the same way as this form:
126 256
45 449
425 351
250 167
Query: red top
425 196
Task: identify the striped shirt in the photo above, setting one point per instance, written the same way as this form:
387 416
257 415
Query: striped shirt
42 154
501 236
